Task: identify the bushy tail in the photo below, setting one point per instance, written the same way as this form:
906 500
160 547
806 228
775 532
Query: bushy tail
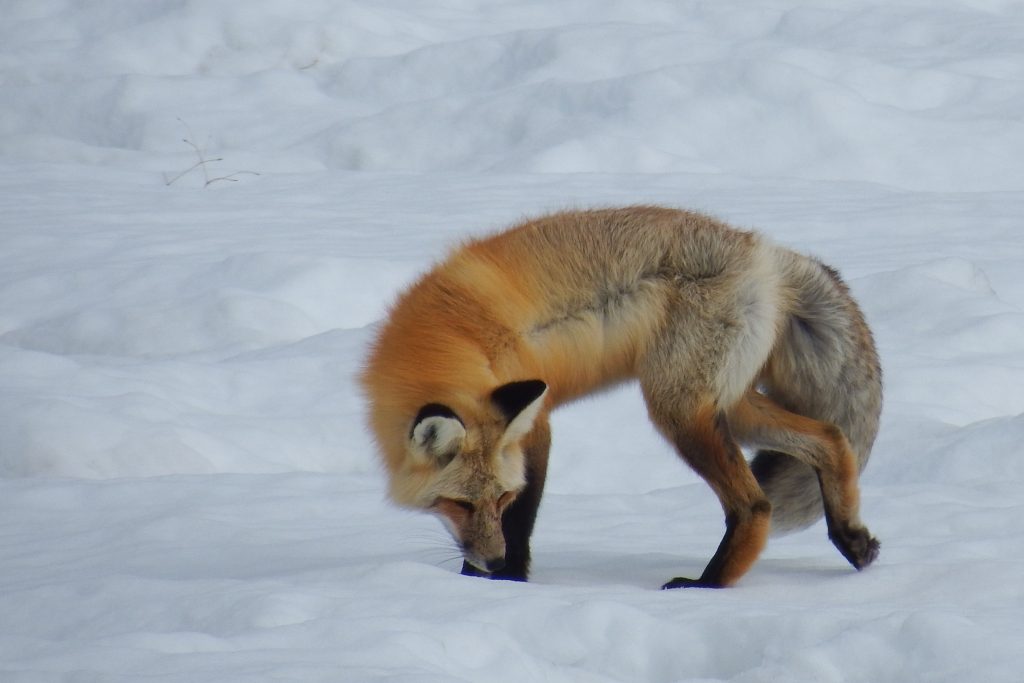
825 367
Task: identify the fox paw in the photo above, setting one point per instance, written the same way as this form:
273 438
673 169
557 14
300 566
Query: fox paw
682 582
856 544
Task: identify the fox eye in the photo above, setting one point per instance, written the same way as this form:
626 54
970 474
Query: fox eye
506 499
462 504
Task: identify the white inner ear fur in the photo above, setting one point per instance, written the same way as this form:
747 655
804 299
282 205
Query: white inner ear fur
436 438
523 422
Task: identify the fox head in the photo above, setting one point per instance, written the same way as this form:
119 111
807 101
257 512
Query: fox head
469 467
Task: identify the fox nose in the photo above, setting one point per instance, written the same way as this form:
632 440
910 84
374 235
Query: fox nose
496 565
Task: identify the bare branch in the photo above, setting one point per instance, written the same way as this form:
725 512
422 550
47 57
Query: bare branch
201 163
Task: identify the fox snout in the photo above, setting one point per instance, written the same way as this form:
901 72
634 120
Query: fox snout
477 530
485 551
489 566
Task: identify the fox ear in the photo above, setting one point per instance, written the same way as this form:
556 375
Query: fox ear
520 402
437 434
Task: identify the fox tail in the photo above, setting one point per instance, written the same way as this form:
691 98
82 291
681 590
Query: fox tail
825 367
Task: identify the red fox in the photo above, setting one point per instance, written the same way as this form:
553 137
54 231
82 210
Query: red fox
734 341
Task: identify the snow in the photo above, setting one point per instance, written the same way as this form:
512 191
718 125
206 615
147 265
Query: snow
187 490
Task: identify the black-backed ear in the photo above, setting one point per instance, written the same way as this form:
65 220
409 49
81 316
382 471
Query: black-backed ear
513 397
519 402
437 434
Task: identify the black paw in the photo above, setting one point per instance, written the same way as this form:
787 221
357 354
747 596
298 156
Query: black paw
856 544
506 575
681 582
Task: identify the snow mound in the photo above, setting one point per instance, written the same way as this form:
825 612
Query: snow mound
905 95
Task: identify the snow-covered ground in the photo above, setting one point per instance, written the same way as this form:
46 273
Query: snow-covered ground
187 491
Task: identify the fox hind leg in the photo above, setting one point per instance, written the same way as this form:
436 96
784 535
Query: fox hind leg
761 422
